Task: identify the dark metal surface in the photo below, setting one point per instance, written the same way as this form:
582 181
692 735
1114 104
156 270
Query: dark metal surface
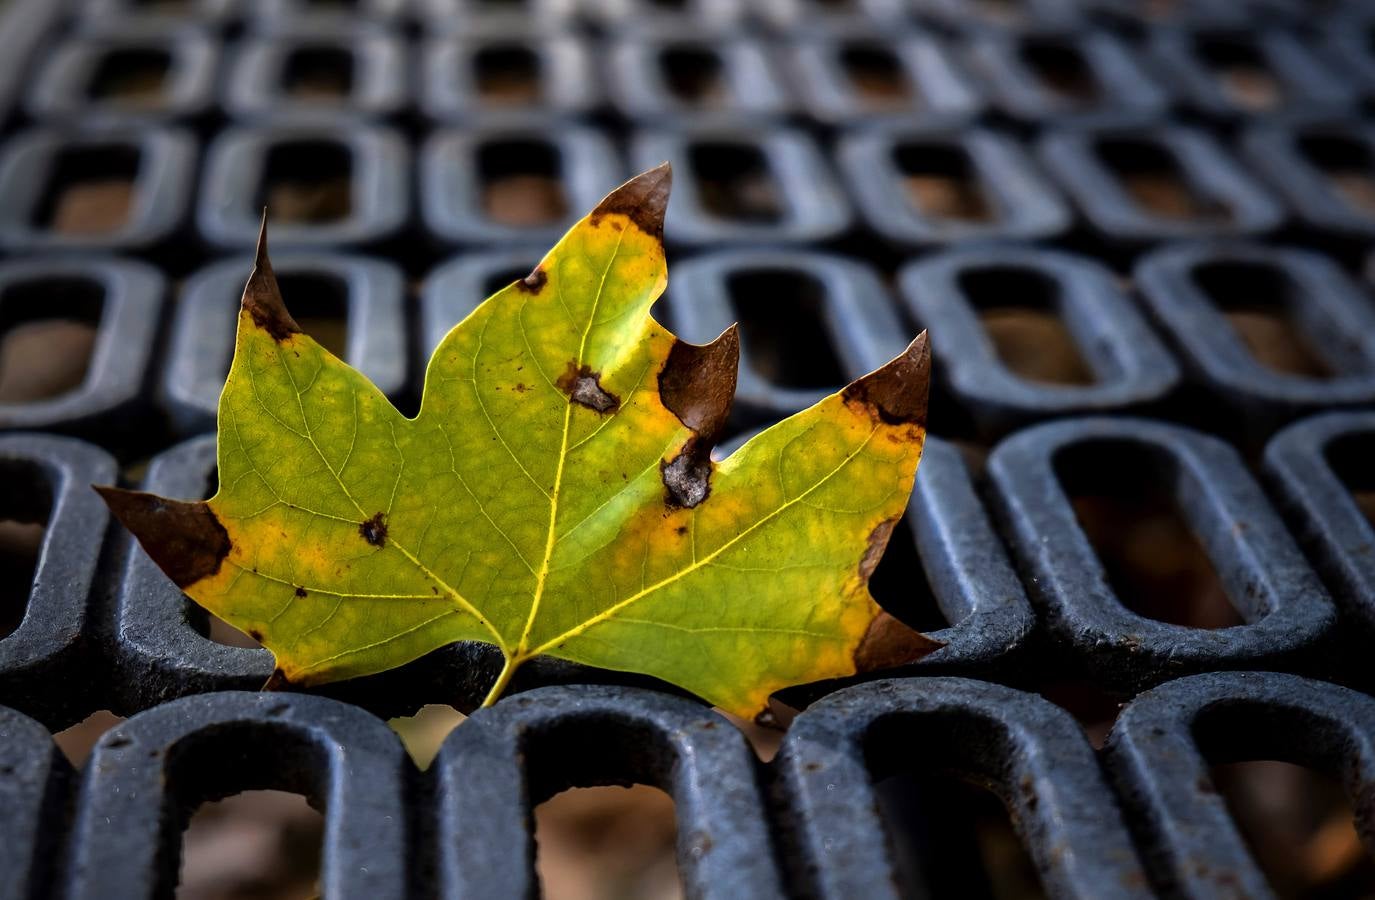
846 174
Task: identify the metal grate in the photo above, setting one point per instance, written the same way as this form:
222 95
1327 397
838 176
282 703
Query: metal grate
1138 237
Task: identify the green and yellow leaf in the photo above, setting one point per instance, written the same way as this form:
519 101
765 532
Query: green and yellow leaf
555 495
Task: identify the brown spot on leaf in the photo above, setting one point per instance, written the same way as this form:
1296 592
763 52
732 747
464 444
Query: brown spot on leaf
878 542
687 478
583 386
697 384
255 634
643 199
896 392
680 530
374 530
300 592
262 298
521 387
186 540
887 644
534 282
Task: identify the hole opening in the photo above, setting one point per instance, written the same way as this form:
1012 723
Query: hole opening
735 181
694 75
1242 71
25 506
319 303
942 183
1061 67
1125 498
507 75
307 182
522 182
132 75
1349 456
783 328
48 330
1259 301
1019 308
318 73
89 190
876 74
951 832
1155 180
1347 165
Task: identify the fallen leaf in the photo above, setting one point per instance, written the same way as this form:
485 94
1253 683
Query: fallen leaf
555 495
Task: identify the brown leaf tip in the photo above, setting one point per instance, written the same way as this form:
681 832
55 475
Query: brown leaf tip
888 643
896 392
583 386
697 384
262 298
186 540
643 199
374 530
534 282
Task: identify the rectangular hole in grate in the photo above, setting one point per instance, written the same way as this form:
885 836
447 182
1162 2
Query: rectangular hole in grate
48 330
1299 826
522 182
320 72
876 75
1255 298
320 305
782 328
1061 68
1123 498
607 842
950 837
252 844
130 75
736 182
1019 310
1152 176
507 75
307 182
694 75
89 190
25 504
1242 71
941 182
1346 164
900 585
1349 457
953 839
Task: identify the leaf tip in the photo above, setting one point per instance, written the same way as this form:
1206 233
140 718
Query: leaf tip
262 298
896 392
186 540
888 643
643 199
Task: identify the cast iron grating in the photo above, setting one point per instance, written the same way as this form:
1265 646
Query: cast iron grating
1139 236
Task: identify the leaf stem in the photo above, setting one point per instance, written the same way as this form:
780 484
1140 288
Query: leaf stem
508 669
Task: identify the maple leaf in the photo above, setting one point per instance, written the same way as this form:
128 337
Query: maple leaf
554 495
